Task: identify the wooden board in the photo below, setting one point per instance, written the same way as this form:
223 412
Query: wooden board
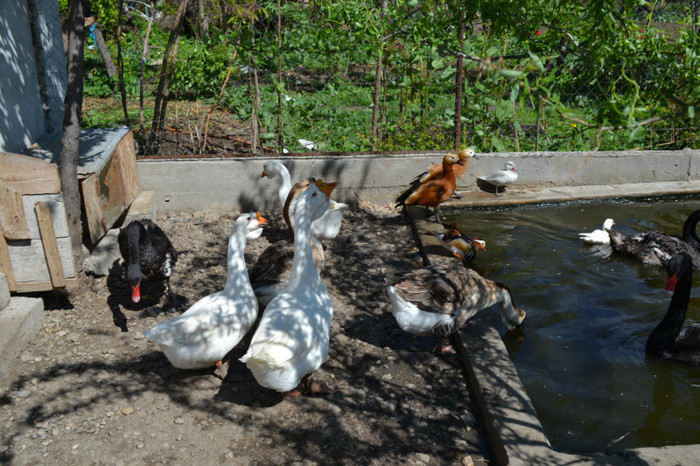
58 214
6 263
29 263
126 158
12 218
31 287
92 203
29 175
48 240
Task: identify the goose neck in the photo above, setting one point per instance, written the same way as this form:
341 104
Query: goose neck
235 261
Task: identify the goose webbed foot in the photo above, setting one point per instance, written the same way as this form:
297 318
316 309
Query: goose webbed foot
150 311
174 302
308 387
444 349
220 371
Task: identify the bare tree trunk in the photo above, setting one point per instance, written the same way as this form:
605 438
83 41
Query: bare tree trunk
377 102
280 111
255 90
459 85
120 63
379 74
202 19
68 165
106 57
166 72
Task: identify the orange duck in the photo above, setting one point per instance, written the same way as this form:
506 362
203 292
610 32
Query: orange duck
435 172
433 192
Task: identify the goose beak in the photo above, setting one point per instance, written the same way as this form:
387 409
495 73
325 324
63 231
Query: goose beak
327 188
262 221
264 174
136 293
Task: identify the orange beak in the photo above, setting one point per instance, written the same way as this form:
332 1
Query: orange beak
264 173
262 221
327 188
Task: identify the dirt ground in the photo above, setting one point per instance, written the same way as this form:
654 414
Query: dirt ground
93 390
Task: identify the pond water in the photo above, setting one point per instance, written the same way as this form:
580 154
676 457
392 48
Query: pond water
581 351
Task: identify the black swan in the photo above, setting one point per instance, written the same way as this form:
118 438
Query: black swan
667 340
656 248
147 252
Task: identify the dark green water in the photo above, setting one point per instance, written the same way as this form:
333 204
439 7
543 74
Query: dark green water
580 354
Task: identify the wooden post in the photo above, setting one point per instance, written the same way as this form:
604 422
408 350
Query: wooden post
5 263
48 240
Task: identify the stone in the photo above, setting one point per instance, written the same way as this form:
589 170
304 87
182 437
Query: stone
4 291
20 320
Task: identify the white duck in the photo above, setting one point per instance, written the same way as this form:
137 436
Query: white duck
440 298
501 178
325 228
598 236
292 339
215 324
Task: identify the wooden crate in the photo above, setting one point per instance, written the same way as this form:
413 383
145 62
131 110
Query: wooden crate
35 247
109 179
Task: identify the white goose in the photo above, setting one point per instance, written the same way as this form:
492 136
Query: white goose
270 273
325 228
598 236
440 298
292 339
215 324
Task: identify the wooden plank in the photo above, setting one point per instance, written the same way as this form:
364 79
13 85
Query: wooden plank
126 157
32 287
6 263
92 203
58 214
12 218
29 175
29 262
48 239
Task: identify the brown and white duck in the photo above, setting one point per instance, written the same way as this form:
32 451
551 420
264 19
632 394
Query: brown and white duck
460 245
440 298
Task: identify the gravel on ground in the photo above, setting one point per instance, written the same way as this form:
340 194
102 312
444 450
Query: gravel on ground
92 389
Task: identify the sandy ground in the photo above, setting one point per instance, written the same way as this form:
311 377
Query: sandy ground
93 390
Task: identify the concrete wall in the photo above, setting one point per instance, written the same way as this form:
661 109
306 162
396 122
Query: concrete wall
200 184
32 72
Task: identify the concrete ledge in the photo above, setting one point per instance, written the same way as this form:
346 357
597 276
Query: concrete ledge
235 183
19 322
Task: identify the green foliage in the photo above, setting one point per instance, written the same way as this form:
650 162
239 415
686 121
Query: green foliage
557 75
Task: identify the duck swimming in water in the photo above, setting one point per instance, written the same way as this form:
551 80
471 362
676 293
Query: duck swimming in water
657 248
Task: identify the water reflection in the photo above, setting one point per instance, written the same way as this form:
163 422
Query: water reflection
581 353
